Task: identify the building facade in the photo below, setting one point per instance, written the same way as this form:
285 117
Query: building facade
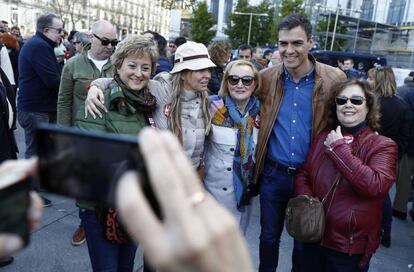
133 15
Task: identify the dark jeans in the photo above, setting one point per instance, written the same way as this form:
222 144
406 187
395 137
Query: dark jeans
104 255
387 217
28 121
321 259
276 188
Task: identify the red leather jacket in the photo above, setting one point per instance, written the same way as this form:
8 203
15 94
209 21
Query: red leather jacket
354 211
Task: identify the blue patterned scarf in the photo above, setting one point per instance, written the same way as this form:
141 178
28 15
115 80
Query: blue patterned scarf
243 155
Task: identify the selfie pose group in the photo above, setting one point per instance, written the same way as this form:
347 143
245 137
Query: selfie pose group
297 128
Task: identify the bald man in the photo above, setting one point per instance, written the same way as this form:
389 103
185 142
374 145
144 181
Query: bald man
92 63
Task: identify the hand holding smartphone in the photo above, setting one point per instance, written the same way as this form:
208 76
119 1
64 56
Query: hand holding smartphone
86 165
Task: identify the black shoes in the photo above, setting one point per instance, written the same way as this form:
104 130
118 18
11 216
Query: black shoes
399 215
6 261
46 202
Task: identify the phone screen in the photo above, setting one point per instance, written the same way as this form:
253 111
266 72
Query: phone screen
85 165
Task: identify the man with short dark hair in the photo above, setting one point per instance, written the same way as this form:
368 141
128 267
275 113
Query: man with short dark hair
348 68
39 78
245 52
292 104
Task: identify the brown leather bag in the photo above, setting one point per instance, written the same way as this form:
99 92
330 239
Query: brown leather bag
305 216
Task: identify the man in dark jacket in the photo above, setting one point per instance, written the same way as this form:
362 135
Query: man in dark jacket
406 92
39 77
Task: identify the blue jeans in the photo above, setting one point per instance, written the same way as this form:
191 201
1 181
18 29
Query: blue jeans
276 188
28 121
104 255
321 259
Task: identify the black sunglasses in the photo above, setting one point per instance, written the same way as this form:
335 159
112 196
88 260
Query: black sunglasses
246 80
356 100
106 42
76 43
58 30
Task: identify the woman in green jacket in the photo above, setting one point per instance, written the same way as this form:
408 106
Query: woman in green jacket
130 107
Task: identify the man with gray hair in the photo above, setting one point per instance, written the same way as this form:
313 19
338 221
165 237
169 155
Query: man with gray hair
92 63
39 78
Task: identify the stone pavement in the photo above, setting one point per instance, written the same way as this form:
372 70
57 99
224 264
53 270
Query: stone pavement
50 249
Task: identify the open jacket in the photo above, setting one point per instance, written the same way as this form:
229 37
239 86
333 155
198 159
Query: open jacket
353 210
271 95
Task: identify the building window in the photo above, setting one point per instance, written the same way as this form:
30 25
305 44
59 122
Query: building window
367 8
396 12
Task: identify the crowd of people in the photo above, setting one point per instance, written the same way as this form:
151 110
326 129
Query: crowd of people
272 122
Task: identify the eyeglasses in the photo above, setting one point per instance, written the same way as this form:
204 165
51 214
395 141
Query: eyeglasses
171 45
75 43
355 99
106 42
58 30
246 80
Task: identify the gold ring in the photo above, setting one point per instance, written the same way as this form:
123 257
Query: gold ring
197 198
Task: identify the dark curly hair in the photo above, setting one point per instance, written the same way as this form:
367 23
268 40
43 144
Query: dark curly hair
373 116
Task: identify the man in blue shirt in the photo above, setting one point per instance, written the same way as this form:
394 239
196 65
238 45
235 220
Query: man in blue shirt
39 78
292 97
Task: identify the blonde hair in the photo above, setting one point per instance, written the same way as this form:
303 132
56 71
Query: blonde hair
224 88
136 45
385 84
174 119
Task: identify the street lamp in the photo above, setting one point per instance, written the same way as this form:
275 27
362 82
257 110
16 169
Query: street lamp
251 14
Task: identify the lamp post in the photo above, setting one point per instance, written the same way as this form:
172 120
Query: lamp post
251 14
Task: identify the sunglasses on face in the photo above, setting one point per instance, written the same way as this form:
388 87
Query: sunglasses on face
356 100
246 80
58 30
106 42
75 43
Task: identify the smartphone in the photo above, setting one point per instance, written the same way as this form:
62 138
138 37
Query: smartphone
14 205
86 165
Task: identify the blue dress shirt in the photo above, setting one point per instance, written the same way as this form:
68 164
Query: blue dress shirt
291 136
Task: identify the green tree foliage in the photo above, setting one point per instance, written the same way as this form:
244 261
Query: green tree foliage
288 7
201 24
323 27
262 30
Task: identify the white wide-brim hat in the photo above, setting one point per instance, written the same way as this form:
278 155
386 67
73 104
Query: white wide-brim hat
191 56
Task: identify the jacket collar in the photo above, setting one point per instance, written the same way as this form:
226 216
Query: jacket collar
46 39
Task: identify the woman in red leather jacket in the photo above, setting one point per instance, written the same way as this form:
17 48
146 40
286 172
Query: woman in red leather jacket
364 164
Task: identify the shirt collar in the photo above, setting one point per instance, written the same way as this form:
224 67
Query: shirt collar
307 77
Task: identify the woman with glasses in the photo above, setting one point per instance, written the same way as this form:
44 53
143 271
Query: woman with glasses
230 147
393 124
353 167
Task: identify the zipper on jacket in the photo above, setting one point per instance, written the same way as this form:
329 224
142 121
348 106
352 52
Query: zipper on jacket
340 160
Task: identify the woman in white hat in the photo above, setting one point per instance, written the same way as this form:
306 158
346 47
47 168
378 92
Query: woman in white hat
182 98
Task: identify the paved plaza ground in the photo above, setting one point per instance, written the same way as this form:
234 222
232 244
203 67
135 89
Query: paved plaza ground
50 249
